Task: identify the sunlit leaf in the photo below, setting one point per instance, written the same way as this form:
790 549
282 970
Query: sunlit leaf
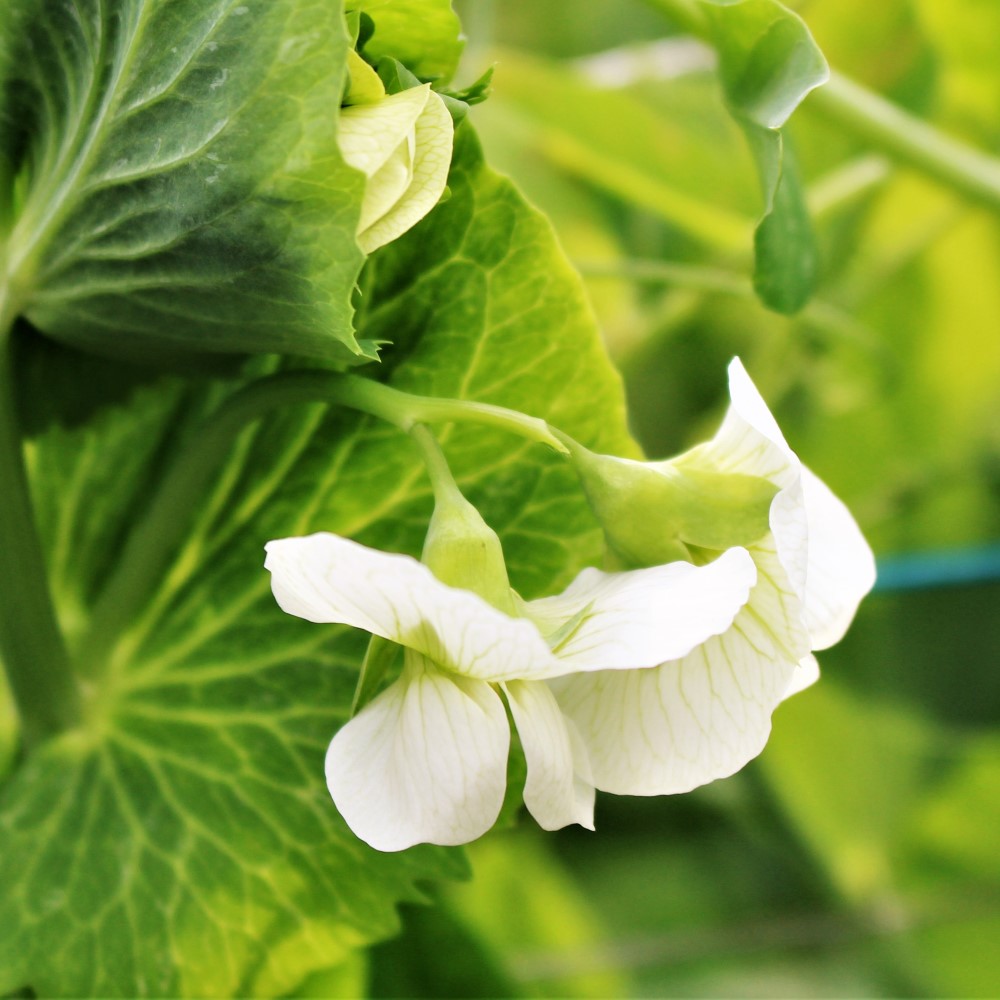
183 842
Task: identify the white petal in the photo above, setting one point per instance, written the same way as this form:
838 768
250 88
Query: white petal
841 565
325 578
369 134
558 791
387 185
747 403
425 762
778 618
646 616
685 723
805 675
433 139
749 442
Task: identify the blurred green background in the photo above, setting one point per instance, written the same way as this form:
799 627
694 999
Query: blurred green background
860 855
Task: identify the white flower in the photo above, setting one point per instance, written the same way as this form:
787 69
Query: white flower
425 761
704 715
402 143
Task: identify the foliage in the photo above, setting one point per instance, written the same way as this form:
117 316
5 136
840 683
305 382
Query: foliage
182 844
171 189
816 871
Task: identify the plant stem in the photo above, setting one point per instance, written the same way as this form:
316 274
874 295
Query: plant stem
818 315
910 139
446 491
34 655
162 530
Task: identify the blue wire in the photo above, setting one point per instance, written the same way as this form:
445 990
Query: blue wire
943 568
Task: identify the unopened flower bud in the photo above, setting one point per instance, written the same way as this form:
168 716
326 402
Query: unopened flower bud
402 143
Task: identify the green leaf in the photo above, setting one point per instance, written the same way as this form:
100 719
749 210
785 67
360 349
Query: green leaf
178 182
183 842
786 257
424 34
768 62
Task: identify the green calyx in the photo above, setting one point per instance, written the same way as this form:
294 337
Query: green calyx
461 549
654 513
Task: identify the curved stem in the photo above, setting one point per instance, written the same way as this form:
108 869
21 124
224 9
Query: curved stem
34 655
443 483
161 531
818 315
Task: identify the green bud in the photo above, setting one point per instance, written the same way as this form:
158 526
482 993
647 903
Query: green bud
463 551
658 512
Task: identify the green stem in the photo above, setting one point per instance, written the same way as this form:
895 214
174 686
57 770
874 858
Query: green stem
818 315
162 530
846 184
446 491
34 655
910 139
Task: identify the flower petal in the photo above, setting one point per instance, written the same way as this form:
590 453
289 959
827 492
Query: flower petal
369 134
386 186
325 578
433 138
558 791
617 621
805 675
841 565
747 404
684 723
750 443
425 762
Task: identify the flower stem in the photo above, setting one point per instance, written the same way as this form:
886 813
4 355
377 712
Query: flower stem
34 655
162 530
446 491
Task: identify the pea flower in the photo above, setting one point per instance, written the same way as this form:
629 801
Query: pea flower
402 143
425 760
704 715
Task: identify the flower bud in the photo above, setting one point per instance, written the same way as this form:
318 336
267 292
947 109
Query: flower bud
402 143
463 551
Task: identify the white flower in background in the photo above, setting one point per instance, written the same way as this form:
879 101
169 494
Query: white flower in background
425 761
704 715
402 143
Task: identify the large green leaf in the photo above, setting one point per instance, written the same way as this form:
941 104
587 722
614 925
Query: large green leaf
178 182
768 63
183 842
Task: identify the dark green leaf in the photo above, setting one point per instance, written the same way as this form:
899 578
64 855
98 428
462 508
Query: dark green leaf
179 185
395 76
786 258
